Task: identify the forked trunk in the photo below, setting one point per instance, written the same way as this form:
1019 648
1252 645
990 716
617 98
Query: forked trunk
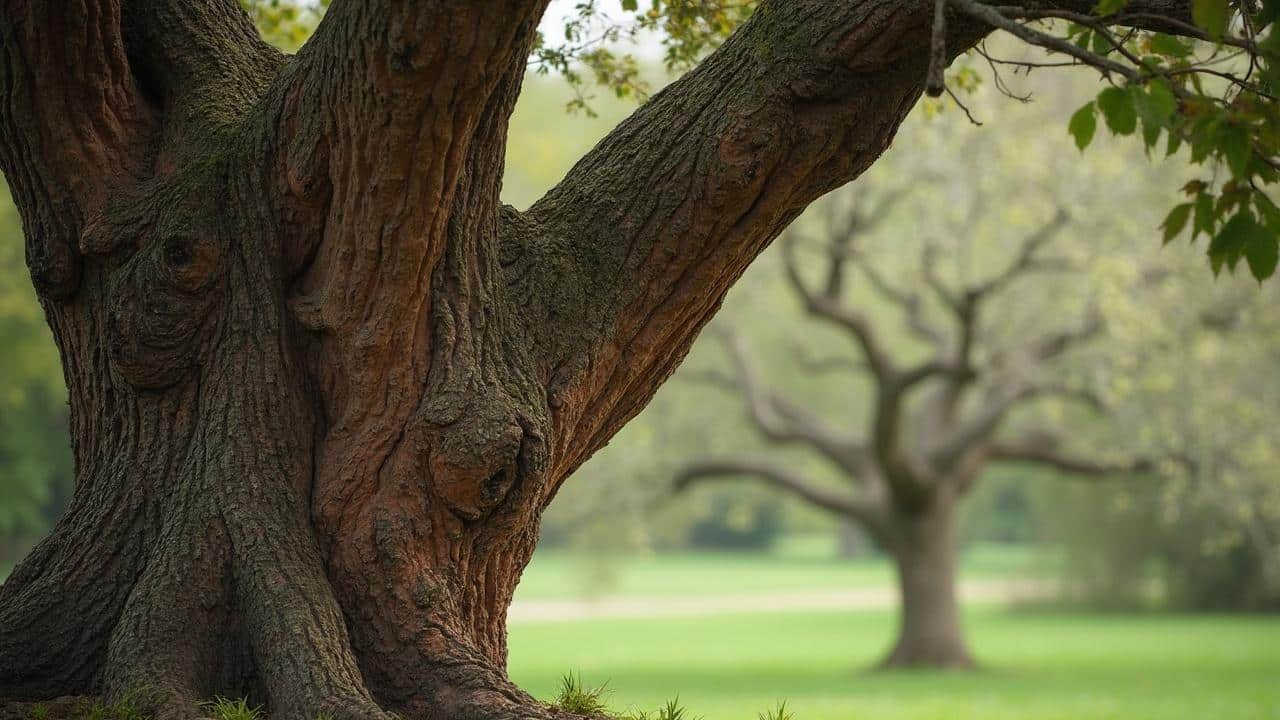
322 382
929 631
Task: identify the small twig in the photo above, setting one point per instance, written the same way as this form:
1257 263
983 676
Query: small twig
992 16
962 106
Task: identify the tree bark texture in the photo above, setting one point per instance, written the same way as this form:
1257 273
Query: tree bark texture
322 382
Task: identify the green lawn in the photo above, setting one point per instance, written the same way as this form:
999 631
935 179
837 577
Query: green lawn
1039 666
798 565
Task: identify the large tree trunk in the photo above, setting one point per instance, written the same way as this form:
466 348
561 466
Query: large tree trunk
322 382
923 548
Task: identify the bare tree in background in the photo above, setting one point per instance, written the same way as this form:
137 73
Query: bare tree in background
934 425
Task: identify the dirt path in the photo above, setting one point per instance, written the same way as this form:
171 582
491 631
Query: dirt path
867 598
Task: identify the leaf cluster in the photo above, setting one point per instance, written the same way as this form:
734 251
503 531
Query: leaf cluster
1213 101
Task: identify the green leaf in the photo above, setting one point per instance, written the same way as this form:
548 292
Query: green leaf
1156 106
629 5
1159 102
1117 107
1236 238
1101 44
1269 211
1204 218
1109 7
1262 252
1270 13
1176 221
1084 125
1236 148
1211 15
1170 46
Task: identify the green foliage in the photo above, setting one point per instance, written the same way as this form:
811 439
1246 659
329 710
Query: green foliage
226 709
1218 102
39 711
1212 15
35 457
1118 109
575 697
734 521
286 23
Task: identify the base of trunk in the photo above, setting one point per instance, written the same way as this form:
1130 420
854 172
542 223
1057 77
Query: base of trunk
931 632
929 655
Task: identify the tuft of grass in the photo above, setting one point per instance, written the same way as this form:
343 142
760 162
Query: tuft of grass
226 709
778 713
39 711
126 708
574 697
672 710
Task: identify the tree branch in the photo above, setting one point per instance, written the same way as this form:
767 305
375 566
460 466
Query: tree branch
779 420
1043 449
1027 260
395 119
204 62
864 511
71 108
909 303
830 307
1056 344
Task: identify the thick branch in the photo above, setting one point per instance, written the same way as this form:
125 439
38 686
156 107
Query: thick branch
639 244
71 107
203 62
863 511
395 117
1044 449
974 431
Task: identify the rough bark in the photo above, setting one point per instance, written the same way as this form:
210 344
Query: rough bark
322 384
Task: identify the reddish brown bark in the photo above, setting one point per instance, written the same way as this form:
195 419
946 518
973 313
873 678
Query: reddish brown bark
322 383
